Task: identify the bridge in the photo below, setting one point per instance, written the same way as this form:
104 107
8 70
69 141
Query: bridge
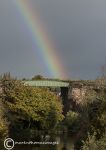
46 83
63 86
67 88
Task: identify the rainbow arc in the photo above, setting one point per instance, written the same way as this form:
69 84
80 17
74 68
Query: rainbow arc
45 47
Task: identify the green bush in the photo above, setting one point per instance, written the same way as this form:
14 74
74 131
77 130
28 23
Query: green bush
31 107
92 143
3 125
72 119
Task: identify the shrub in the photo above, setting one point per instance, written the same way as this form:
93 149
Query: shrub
3 125
30 107
92 143
71 119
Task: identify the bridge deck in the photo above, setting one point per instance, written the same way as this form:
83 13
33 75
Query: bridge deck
46 83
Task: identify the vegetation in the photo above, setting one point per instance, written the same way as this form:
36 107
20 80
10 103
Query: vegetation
93 121
72 120
29 108
38 77
3 125
92 143
25 109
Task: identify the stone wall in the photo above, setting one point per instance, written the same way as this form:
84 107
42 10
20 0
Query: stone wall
0 89
77 94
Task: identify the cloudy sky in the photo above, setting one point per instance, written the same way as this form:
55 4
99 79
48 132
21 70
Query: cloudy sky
77 27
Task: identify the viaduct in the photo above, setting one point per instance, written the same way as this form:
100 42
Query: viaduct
71 91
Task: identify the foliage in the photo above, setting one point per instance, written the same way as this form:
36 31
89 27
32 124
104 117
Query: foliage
94 110
93 119
92 143
30 107
38 77
97 113
71 119
3 125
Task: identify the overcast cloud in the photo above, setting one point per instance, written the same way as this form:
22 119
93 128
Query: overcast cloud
77 27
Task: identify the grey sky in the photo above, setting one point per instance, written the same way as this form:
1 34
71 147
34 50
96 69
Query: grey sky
77 27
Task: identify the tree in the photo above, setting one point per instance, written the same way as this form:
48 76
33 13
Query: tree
30 107
103 71
92 143
93 119
3 125
72 119
38 77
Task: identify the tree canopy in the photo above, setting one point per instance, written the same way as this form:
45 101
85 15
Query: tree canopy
37 107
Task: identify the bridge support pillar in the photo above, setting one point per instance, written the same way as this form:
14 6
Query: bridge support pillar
64 95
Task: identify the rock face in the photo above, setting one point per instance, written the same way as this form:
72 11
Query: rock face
77 94
0 89
72 97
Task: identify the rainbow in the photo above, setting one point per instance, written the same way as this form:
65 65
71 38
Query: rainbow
45 48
